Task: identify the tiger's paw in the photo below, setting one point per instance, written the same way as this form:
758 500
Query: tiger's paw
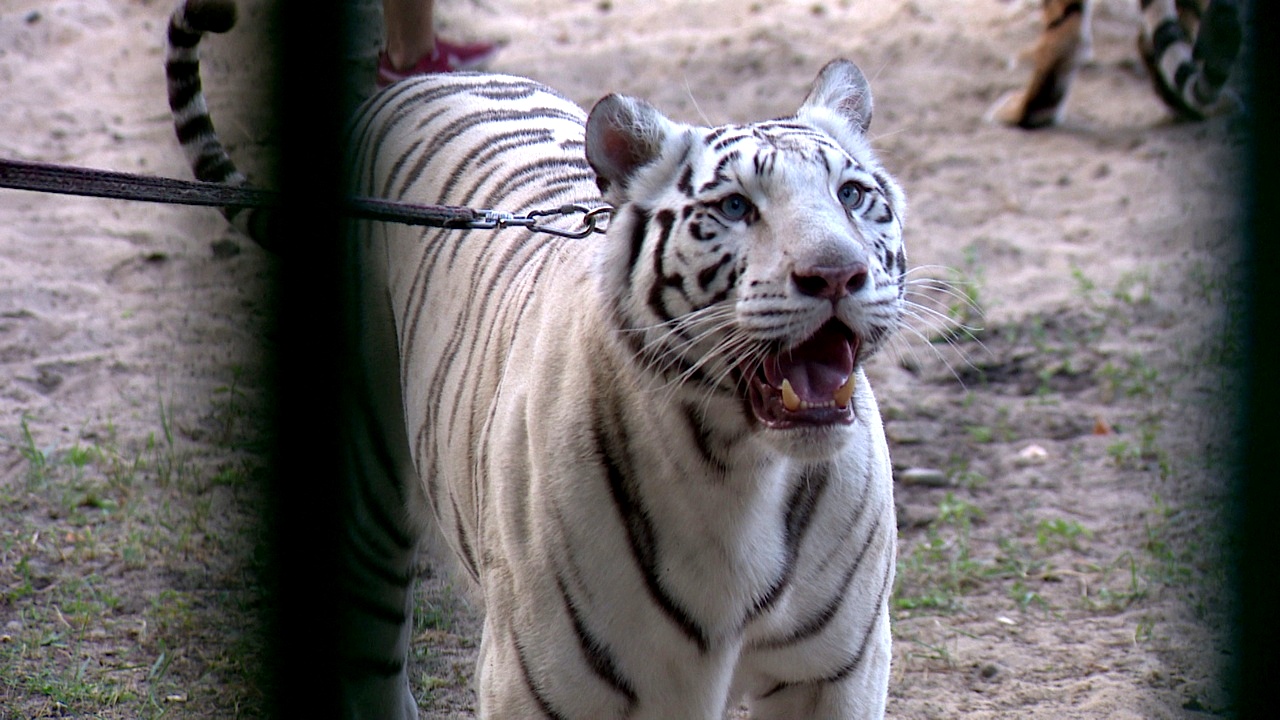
1012 110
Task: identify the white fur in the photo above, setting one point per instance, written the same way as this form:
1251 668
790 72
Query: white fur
518 469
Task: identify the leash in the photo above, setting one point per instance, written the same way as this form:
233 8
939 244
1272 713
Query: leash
68 180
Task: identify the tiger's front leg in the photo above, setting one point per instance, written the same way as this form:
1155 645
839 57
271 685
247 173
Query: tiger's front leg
513 684
542 660
1062 47
853 690
859 695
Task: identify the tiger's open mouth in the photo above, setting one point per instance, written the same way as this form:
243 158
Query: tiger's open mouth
810 384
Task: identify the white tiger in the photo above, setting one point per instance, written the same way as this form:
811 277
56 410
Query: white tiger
654 453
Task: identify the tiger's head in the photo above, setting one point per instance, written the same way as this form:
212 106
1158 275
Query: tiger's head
763 260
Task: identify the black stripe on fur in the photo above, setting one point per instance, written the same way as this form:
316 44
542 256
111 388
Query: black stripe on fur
641 535
665 219
534 690
801 505
594 651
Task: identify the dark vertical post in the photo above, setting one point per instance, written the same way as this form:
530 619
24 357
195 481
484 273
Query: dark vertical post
303 515
1256 525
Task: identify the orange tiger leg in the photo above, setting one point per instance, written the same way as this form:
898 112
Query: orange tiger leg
1061 48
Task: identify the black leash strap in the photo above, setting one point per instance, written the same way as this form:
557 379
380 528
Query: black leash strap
440 216
43 177
65 180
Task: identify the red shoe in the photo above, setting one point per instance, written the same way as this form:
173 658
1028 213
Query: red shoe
447 57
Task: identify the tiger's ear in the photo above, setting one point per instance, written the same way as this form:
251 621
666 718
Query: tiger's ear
842 89
623 135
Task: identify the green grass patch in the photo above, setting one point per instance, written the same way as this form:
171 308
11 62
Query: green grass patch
126 575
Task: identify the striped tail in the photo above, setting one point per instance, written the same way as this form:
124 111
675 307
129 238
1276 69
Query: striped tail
205 152
1190 77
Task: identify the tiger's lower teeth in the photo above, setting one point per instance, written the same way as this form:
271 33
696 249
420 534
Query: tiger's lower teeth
839 399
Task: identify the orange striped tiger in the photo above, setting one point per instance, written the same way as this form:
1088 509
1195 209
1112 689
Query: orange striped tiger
1189 47
653 452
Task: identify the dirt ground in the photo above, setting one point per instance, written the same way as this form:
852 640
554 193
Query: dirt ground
1061 468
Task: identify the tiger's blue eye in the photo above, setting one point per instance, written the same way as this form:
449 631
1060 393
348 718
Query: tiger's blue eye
735 207
850 194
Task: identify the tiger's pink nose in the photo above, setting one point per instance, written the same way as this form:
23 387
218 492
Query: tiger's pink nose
832 283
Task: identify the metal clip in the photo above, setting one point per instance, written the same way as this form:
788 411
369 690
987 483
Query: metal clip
591 218
492 219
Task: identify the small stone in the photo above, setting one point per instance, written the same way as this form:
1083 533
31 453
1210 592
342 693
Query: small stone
1031 455
48 380
909 432
926 477
912 516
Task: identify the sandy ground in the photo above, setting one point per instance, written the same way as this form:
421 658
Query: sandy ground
1063 562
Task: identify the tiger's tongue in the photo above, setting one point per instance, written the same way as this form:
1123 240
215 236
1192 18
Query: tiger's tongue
817 367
